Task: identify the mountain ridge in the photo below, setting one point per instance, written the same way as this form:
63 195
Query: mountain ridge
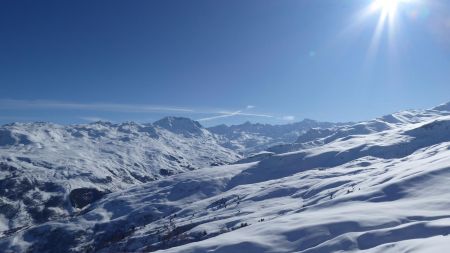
102 156
377 186
320 193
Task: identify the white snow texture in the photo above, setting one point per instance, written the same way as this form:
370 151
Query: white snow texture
376 186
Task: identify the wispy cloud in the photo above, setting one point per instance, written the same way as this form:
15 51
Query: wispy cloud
111 107
224 114
13 104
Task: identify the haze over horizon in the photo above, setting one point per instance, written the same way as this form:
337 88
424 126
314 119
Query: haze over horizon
222 61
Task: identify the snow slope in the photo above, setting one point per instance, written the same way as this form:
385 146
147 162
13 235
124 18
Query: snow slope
320 136
42 162
380 191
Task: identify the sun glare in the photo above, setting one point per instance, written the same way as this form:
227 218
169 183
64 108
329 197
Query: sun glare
387 11
388 7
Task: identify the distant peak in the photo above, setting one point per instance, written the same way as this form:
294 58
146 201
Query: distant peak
308 120
129 123
177 120
101 123
30 124
179 125
443 107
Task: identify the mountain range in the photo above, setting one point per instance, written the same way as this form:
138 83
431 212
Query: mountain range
174 186
43 163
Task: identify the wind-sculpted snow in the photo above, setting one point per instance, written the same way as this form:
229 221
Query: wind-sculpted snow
41 163
381 191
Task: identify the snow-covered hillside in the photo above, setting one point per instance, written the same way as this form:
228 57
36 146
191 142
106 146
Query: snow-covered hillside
41 163
320 136
383 190
251 138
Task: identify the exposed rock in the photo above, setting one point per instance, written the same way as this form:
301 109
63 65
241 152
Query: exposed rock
82 197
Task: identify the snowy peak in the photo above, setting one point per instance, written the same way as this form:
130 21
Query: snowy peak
322 198
435 130
320 136
27 133
267 129
443 107
250 138
99 157
180 125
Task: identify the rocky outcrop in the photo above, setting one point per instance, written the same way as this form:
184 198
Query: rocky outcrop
82 197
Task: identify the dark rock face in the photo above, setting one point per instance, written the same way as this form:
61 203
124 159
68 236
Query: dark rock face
82 197
165 172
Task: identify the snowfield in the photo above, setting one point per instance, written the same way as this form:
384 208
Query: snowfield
41 163
376 186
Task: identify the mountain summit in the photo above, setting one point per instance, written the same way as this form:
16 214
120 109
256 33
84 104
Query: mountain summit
443 107
180 125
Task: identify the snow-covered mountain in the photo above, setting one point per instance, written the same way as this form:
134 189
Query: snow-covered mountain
249 138
50 170
376 186
42 163
320 136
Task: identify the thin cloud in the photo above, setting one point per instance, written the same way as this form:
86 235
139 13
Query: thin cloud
236 113
14 104
256 115
60 105
224 115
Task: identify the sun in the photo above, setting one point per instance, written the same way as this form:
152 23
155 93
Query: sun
387 16
387 11
387 7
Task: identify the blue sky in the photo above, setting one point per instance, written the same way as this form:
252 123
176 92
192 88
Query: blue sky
220 61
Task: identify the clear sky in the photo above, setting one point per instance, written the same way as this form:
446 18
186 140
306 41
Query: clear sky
221 61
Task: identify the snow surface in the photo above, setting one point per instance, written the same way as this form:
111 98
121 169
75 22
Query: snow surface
320 136
249 138
380 188
42 162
